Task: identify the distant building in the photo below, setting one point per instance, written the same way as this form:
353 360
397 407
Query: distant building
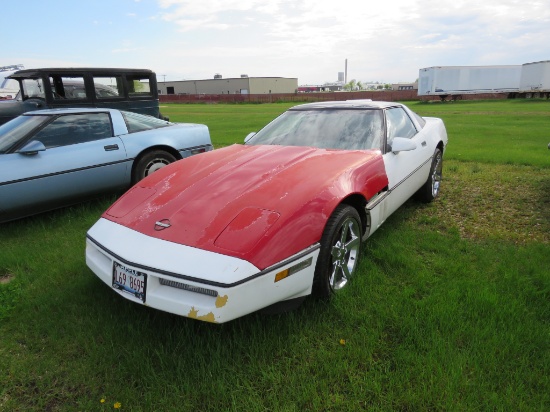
327 87
405 86
235 85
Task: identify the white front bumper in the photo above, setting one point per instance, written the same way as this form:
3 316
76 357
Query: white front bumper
203 285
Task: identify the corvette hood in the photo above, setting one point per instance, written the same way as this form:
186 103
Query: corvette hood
259 203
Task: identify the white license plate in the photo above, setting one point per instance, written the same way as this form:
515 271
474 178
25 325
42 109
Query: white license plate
129 280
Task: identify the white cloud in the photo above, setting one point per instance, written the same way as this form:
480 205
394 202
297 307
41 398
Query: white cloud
309 39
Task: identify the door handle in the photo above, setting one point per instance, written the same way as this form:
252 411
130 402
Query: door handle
110 147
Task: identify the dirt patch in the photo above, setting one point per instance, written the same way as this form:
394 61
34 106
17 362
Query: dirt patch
7 278
508 202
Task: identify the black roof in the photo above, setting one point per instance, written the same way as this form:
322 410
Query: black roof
76 70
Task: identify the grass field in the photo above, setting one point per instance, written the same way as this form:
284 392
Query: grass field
450 309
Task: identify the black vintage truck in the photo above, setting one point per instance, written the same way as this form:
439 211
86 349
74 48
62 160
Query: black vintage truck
124 89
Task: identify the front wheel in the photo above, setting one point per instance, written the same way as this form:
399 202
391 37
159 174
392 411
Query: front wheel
339 254
430 190
150 163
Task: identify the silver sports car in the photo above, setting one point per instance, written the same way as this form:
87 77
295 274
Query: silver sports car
52 158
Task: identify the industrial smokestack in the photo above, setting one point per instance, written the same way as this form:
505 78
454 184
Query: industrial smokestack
346 73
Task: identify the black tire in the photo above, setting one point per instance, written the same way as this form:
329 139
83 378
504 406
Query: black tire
340 250
150 162
430 190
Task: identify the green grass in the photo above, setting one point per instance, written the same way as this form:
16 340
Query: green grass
501 131
228 123
450 309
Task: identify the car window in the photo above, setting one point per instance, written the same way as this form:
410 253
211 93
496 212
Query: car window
421 121
108 86
15 130
75 128
348 129
68 87
33 88
137 123
138 85
399 124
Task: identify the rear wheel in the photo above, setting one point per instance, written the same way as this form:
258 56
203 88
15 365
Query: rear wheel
430 190
339 254
151 162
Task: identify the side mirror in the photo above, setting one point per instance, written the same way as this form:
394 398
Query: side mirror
249 136
402 144
32 148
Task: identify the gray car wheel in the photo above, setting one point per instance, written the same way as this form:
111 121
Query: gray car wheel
151 162
430 190
340 250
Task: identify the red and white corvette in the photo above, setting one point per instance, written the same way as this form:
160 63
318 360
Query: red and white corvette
226 233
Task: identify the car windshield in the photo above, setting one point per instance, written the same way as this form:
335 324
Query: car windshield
15 130
348 129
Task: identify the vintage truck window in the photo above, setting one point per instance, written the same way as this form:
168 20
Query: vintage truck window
33 88
68 87
108 86
138 85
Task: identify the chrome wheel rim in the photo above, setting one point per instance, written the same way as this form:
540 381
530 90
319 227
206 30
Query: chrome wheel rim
436 175
344 254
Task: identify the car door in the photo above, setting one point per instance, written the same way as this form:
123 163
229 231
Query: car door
79 158
407 170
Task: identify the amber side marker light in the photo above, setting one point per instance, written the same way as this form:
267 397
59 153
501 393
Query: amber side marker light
293 269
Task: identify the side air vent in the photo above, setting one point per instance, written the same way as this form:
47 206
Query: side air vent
190 288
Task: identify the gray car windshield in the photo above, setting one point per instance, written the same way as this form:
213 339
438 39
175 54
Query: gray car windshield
348 129
13 131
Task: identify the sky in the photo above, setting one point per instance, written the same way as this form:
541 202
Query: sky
382 41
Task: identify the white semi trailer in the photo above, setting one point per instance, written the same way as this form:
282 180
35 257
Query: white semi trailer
455 81
535 79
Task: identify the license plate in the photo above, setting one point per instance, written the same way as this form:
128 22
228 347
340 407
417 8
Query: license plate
129 280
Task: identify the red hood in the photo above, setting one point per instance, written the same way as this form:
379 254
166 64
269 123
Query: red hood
259 203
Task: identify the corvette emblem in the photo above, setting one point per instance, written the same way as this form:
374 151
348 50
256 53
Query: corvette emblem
162 224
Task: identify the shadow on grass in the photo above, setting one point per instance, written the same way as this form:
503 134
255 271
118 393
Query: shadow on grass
544 201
